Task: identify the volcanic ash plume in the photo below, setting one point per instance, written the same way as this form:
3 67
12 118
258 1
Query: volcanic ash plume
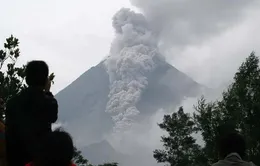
181 23
130 58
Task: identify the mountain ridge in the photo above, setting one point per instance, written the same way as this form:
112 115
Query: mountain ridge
82 105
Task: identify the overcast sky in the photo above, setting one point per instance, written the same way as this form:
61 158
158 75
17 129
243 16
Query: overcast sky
73 36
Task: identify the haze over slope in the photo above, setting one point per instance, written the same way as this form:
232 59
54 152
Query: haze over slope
132 83
82 104
135 81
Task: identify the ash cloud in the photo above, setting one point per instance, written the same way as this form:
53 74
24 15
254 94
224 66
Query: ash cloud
130 59
164 26
179 23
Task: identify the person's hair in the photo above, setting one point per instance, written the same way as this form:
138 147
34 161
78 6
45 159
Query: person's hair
56 150
232 143
36 73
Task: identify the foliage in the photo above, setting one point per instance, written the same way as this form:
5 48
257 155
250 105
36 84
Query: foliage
79 160
239 108
11 76
241 105
207 118
180 147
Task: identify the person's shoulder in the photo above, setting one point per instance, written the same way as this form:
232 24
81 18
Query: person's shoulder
49 97
49 94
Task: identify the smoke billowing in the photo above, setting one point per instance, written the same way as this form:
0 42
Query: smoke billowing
130 58
166 25
180 23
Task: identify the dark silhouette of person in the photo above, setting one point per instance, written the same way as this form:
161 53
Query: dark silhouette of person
232 150
56 150
29 115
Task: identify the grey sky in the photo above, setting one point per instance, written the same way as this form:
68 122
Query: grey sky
74 35
71 36
188 22
207 39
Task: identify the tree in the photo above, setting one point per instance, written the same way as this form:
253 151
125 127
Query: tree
11 76
180 147
78 159
207 118
239 109
241 105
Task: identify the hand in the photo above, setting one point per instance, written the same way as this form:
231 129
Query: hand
48 86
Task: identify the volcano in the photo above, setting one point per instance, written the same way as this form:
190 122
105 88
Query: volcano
82 104
127 88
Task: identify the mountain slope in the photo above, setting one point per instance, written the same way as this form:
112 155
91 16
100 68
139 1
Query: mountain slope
83 102
102 152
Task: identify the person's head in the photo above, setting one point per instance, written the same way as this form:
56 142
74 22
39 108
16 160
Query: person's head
232 143
36 74
56 149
